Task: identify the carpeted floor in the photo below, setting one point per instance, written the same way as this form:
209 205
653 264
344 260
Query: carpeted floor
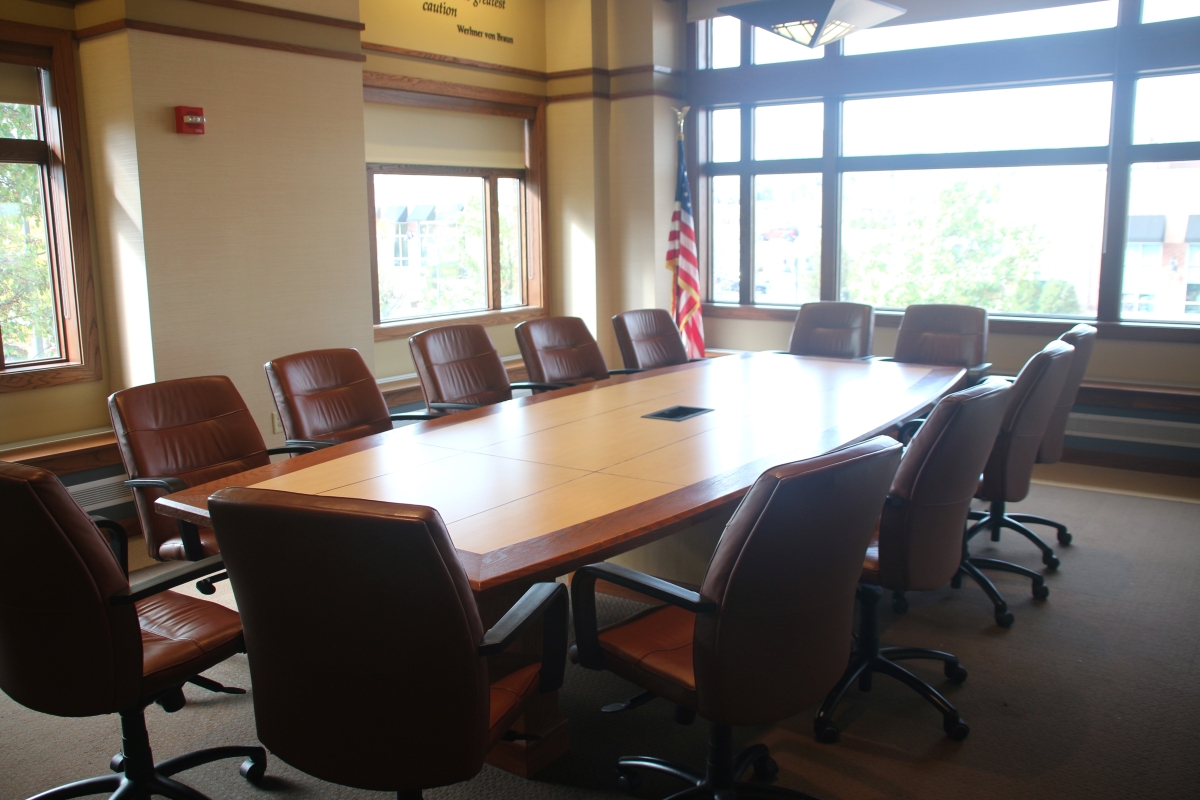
1092 694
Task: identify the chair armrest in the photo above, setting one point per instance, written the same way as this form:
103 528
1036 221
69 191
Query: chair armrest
979 371
400 416
293 448
545 600
188 532
118 539
545 387
161 580
909 429
309 444
172 485
624 371
583 597
452 407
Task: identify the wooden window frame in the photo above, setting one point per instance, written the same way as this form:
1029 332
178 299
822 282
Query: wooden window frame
61 155
1122 54
424 93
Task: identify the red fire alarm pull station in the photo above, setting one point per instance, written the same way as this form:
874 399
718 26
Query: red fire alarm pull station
189 119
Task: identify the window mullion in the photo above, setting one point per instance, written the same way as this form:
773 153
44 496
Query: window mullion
493 242
831 200
746 199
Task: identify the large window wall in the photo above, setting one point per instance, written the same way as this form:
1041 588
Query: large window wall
1043 164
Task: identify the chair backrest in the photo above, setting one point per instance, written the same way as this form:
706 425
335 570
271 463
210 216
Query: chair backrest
327 395
921 531
389 626
833 330
1034 395
784 576
560 349
195 429
64 648
1083 339
649 339
943 334
459 364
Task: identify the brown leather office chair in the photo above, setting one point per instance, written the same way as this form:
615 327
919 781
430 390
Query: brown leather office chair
833 330
77 640
181 433
1009 469
944 334
329 396
768 633
649 339
1083 339
919 543
459 368
395 627
562 350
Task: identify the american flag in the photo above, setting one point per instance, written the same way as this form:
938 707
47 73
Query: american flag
682 261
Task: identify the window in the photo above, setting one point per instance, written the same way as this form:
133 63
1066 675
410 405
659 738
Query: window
997 172
47 311
447 240
1162 10
771 48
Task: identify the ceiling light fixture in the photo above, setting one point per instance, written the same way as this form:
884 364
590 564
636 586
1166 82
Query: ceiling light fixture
813 23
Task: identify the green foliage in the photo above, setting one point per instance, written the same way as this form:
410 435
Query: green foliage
27 305
960 254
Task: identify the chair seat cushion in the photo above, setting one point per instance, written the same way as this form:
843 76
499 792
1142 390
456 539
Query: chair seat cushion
183 636
172 549
654 650
508 698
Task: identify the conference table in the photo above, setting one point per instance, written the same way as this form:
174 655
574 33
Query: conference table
533 488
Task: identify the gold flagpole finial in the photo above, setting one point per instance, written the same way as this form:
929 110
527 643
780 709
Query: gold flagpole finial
680 116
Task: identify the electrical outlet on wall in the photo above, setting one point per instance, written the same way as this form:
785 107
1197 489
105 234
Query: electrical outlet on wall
276 425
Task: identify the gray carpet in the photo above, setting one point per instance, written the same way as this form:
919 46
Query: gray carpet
1094 693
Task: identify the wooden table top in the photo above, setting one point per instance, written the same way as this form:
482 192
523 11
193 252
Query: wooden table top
538 486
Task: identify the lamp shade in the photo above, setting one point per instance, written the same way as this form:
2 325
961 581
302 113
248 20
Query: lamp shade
813 23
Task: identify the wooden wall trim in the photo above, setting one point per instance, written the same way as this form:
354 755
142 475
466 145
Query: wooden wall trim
1159 466
597 72
404 83
274 11
563 98
209 36
459 62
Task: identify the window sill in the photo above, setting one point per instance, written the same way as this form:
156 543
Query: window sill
406 328
1021 326
19 379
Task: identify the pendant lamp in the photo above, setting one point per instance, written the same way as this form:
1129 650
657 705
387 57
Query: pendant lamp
813 23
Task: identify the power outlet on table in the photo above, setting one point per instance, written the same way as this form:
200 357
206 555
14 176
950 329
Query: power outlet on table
276 425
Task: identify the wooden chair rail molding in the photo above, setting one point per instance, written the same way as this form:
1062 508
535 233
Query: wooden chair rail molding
1026 326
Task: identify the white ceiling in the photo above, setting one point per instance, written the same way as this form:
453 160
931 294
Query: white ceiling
918 10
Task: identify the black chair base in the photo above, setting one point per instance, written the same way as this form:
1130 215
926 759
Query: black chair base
720 780
995 519
139 777
869 658
971 568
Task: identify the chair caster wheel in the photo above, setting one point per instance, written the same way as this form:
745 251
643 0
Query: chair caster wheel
205 587
1051 562
628 782
765 770
1064 538
956 582
253 771
1041 592
955 673
1005 619
827 733
117 764
955 728
173 700
900 604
